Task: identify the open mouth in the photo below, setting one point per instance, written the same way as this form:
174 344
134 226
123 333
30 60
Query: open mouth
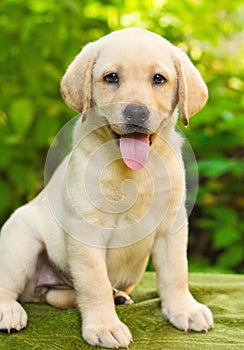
134 148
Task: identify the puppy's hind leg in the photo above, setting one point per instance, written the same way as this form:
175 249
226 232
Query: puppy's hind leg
121 298
61 298
66 299
19 250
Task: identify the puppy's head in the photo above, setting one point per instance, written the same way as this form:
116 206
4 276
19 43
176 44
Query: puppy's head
135 79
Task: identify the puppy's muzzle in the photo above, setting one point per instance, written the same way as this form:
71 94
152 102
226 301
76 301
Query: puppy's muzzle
136 117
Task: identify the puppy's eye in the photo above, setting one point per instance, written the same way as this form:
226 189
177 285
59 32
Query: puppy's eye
159 79
111 78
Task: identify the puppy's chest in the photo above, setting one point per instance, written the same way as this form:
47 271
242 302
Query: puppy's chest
129 193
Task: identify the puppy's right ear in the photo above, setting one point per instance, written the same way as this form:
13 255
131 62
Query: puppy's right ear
76 84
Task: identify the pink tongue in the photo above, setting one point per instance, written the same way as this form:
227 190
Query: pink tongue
134 148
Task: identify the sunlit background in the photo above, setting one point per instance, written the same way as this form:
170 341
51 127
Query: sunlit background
39 38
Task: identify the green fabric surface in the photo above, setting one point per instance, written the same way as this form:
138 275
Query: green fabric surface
50 328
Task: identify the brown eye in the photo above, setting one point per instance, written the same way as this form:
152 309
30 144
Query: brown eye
159 79
111 78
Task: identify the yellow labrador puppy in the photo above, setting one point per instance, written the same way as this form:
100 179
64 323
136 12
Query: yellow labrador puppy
116 198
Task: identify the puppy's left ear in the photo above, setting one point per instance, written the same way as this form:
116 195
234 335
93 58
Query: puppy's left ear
76 84
192 91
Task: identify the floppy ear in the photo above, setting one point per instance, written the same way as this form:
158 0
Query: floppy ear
192 91
76 84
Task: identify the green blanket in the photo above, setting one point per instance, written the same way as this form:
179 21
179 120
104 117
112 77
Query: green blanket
50 328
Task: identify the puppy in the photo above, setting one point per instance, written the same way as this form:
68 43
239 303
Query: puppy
118 197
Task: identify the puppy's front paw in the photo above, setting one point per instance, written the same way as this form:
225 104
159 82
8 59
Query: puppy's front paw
189 315
12 316
104 335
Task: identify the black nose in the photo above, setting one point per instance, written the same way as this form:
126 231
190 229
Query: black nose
136 114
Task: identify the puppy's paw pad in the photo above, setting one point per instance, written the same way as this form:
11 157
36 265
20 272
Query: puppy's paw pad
113 337
196 317
12 316
121 298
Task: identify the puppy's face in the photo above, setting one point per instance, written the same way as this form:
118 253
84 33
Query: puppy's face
134 83
134 79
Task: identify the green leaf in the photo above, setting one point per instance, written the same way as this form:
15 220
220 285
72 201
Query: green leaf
44 131
6 195
225 236
215 167
232 256
24 179
21 115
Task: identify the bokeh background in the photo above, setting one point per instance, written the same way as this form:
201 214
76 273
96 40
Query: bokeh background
39 38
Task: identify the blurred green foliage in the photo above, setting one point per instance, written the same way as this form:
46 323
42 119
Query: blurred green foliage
39 38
